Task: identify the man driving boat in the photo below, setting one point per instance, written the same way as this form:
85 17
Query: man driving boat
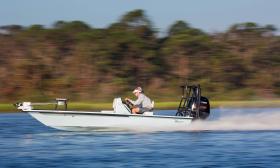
142 104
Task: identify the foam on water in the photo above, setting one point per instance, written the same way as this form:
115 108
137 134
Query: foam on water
240 120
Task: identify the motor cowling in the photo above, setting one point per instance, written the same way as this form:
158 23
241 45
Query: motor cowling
204 108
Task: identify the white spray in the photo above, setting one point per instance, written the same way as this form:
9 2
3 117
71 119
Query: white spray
240 121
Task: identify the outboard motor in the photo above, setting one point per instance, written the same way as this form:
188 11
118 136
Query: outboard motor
192 103
204 108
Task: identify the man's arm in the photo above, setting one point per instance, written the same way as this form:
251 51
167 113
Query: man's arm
138 101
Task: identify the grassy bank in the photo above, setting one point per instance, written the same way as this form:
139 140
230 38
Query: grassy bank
159 105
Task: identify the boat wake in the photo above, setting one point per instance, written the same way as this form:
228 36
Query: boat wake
240 121
254 119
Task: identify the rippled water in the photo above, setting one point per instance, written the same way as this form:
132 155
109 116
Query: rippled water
230 138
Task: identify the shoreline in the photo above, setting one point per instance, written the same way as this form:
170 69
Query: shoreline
91 106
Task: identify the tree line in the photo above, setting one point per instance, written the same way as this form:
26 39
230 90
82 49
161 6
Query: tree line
75 60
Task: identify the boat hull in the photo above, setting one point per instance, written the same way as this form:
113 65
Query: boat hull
98 121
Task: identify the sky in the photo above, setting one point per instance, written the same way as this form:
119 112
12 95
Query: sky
208 15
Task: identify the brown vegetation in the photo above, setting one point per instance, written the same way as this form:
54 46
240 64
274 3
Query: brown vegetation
74 60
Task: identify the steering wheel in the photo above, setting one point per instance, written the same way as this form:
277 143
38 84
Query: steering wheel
128 104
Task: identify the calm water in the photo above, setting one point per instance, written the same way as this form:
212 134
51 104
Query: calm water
231 138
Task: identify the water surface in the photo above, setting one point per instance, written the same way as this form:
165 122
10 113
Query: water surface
227 139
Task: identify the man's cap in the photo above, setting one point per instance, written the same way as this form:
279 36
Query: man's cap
138 89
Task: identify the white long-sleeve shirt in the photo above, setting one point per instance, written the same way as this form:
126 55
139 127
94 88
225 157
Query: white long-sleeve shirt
142 101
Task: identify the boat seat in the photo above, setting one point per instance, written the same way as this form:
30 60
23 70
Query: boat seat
107 111
148 113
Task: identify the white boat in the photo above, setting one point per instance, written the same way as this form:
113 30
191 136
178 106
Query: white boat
119 119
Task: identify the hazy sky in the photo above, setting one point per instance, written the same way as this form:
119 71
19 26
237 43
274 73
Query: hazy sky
209 15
